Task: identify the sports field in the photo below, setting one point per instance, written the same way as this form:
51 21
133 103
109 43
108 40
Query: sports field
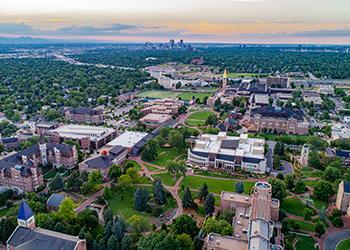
186 96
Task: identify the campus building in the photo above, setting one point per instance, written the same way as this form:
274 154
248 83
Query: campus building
162 106
278 82
279 120
343 197
228 153
84 115
87 136
155 120
253 223
20 170
27 236
104 161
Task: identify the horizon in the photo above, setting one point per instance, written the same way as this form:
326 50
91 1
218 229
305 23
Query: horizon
205 21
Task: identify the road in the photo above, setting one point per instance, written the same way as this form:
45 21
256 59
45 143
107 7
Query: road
269 154
333 239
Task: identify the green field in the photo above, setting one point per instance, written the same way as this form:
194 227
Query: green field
310 183
186 96
50 174
304 225
294 206
165 155
344 245
305 243
236 75
150 167
198 118
136 165
166 178
319 204
215 185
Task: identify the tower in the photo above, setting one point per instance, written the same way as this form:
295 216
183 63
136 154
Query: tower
43 151
261 201
304 156
25 217
224 80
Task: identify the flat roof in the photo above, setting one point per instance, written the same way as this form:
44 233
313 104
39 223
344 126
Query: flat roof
80 131
226 242
128 139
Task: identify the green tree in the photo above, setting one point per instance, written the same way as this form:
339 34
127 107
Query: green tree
57 183
66 209
185 242
290 182
320 228
308 213
141 197
279 149
278 189
209 204
323 190
124 182
217 226
300 187
115 171
112 243
176 167
176 139
331 174
150 152
203 191
211 120
159 193
185 224
139 224
159 241
187 200
239 187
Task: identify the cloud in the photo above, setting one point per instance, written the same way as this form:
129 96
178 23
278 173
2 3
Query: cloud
324 33
15 28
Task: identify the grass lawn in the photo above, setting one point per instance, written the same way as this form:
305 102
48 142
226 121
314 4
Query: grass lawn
187 96
122 204
310 183
166 154
235 75
136 165
215 185
304 225
195 196
198 118
166 179
319 204
305 243
313 173
50 174
294 206
151 168
344 245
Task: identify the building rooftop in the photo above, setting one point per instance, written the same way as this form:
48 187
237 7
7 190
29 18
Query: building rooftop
37 238
226 242
278 112
82 131
24 211
128 139
55 200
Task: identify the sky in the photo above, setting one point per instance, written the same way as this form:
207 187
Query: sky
230 21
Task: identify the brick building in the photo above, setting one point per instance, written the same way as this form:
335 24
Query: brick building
279 120
343 197
20 170
84 115
162 106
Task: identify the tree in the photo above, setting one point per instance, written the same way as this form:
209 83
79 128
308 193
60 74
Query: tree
320 228
108 215
279 149
209 204
211 120
111 243
126 243
159 241
308 213
185 224
66 209
187 200
133 173
323 190
203 192
159 193
124 181
139 224
60 227
300 187
331 174
141 197
290 182
119 229
150 152
115 171
176 167
88 218
57 183
176 139
107 193
239 187
227 215
217 226
314 160
278 189
185 242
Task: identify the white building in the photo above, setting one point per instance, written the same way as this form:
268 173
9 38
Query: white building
228 153
340 131
128 139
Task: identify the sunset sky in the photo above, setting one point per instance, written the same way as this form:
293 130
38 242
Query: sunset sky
251 21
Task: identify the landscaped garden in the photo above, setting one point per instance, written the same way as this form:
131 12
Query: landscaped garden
294 206
305 243
165 155
198 118
215 185
166 178
344 245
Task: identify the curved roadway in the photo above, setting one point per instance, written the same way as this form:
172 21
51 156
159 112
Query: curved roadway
333 239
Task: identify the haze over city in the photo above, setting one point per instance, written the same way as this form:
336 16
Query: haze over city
231 21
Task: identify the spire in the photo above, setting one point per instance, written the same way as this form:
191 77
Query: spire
24 211
225 74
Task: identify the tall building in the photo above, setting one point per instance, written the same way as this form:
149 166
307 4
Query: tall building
304 156
85 115
28 237
224 79
343 197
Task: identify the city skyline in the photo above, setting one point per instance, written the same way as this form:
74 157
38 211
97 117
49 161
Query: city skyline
231 21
